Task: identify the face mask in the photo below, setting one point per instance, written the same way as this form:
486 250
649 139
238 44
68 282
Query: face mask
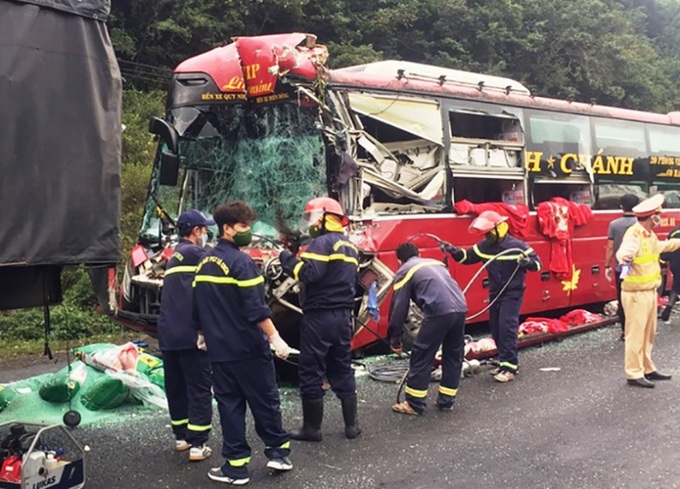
203 240
314 231
656 220
243 238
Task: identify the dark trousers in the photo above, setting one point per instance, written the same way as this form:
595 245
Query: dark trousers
447 331
325 337
620 311
504 324
187 387
251 381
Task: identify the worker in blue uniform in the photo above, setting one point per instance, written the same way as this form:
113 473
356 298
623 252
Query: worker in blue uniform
185 365
506 283
232 313
430 286
328 269
674 259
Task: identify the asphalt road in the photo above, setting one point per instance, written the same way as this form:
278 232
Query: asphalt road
578 427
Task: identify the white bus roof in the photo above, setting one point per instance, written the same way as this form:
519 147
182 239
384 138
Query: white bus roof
418 70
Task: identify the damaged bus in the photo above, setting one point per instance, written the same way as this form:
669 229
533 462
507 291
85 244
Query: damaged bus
412 152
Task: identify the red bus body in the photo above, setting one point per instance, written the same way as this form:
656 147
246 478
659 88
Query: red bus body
289 69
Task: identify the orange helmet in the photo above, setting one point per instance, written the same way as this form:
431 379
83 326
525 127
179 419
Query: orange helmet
485 222
319 206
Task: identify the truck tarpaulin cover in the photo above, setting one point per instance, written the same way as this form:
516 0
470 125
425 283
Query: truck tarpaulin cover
60 134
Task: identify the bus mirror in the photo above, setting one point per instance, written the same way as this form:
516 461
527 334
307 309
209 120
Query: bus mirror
166 132
169 169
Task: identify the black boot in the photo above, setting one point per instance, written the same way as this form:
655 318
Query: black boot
349 414
312 416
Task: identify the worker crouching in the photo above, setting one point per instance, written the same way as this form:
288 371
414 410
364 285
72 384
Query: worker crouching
641 276
328 269
430 286
507 272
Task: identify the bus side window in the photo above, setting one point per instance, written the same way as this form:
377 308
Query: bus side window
479 190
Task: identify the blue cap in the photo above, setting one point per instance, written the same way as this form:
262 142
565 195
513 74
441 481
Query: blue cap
192 217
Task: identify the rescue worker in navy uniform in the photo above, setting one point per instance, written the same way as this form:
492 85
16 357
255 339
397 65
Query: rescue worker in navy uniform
185 364
510 269
430 286
328 269
232 312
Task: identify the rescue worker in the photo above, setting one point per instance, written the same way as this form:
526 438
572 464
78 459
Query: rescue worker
186 366
232 312
328 269
617 228
509 268
674 260
641 274
430 286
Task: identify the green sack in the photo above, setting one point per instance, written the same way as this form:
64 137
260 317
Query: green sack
6 395
59 388
157 377
147 363
105 393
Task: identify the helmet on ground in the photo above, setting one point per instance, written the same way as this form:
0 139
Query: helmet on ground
319 206
486 222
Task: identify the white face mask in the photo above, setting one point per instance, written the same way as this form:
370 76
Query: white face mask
656 219
203 240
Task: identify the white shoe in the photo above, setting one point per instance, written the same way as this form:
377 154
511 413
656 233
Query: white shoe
281 464
199 453
182 445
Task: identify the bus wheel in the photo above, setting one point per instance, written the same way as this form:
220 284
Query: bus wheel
411 327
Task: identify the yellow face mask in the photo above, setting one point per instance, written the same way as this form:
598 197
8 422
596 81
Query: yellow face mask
498 233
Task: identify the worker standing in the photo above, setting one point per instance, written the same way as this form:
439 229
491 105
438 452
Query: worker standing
328 269
430 286
186 367
617 228
232 312
507 274
641 273
674 260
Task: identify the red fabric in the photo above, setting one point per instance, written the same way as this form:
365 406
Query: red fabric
517 214
543 325
578 317
556 220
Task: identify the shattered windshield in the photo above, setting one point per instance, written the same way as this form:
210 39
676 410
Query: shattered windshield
272 157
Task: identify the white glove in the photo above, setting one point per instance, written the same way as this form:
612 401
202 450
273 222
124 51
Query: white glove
281 348
609 274
200 342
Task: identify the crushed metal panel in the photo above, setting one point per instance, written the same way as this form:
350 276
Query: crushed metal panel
421 117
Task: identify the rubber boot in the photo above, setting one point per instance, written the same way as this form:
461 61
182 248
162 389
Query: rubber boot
312 416
349 414
672 298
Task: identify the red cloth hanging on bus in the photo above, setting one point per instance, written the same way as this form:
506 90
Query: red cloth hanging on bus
556 220
517 214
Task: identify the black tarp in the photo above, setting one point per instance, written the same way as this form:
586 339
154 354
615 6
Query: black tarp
60 135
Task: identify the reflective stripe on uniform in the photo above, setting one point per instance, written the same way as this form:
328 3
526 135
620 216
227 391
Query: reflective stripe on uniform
284 445
413 270
179 422
181 269
296 270
447 391
646 259
641 279
197 427
347 244
508 365
415 392
252 282
239 462
328 258
507 257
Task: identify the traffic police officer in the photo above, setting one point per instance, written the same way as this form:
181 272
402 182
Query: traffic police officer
430 286
186 367
507 274
232 312
328 269
641 274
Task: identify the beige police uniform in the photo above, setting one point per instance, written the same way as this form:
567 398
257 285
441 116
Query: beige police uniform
638 289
